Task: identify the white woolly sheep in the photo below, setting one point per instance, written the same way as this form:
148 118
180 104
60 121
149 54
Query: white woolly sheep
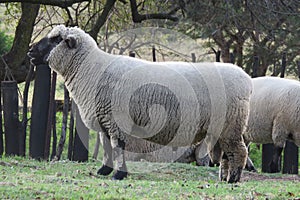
169 103
274 114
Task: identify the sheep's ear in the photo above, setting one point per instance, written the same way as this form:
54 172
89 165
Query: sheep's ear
71 42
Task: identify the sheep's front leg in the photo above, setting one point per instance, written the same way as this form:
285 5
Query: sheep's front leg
107 165
118 147
223 169
237 156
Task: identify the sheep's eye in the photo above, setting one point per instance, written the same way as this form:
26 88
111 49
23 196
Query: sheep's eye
56 39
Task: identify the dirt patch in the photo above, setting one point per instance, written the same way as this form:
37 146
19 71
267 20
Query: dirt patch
253 176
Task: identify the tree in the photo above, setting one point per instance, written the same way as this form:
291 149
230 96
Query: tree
68 12
247 28
14 59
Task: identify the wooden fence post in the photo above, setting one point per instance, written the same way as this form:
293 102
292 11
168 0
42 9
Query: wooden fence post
11 117
298 67
290 158
71 135
54 134
1 130
193 57
232 58
63 134
255 66
24 122
81 140
268 150
283 65
153 54
39 114
218 54
50 115
132 54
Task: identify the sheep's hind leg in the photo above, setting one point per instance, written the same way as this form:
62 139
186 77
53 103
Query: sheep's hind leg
107 165
279 137
119 148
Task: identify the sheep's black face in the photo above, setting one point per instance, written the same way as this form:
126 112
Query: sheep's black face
40 51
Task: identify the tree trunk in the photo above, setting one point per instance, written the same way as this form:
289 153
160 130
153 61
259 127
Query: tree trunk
102 18
16 56
224 45
239 54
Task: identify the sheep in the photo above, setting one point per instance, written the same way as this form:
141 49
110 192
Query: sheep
169 103
274 114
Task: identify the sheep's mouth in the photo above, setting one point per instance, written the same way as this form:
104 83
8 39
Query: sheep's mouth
36 58
39 52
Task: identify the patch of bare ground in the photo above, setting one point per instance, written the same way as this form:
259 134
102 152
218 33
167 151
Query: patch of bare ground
254 176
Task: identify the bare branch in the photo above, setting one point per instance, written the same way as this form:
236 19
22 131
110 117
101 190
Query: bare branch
123 1
102 18
60 3
137 18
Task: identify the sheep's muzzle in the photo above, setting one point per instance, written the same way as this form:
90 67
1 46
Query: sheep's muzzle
40 51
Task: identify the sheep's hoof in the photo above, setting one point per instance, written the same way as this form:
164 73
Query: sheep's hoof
250 168
235 175
105 170
223 174
222 177
119 175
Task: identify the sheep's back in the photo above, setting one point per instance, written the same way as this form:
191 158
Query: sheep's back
273 99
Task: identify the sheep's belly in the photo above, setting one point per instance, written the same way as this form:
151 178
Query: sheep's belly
90 120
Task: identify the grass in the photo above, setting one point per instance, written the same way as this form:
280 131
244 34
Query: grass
29 179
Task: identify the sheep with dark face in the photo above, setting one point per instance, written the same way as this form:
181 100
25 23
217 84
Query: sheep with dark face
169 103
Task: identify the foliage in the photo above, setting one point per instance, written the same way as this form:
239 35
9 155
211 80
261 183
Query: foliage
248 28
6 42
30 179
255 155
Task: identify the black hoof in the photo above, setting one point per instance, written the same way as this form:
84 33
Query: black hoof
119 175
105 170
251 169
235 175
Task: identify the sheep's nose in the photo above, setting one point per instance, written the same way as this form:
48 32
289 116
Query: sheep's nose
33 53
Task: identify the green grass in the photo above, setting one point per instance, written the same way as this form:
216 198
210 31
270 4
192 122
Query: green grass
29 179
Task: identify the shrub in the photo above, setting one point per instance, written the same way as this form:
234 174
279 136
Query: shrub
5 42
